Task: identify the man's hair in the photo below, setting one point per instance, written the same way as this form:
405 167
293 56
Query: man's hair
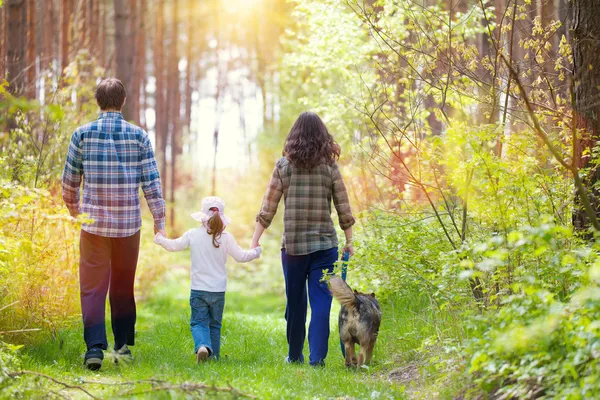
110 94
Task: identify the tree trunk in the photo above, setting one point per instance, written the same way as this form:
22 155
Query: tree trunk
124 53
3 37
31 49
161 125
584 28
188 71
136 76
65 21
174 100
15 49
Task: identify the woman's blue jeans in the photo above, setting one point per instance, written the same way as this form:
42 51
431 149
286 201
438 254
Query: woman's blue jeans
298 270
205 322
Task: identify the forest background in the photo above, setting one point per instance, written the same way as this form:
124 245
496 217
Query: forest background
468 129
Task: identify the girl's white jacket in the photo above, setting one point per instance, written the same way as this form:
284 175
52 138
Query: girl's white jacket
208 271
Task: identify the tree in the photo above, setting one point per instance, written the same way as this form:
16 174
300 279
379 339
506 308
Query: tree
15 49
31 54
124 53
174 100
161 124
584 27
65 20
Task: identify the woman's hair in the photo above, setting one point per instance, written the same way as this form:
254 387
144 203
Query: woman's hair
309 143
215 227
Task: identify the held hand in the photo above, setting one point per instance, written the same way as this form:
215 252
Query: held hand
254 244
161 231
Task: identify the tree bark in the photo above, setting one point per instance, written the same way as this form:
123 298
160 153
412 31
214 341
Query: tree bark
31 49
3 40
161 125
124 53
584 28
65 21
15 46
174 101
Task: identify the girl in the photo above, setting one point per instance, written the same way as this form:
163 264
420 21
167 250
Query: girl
209 246
309 179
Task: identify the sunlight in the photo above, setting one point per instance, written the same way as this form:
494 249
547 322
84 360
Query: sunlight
242 6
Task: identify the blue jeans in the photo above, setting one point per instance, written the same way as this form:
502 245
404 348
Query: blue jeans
205 323
297 270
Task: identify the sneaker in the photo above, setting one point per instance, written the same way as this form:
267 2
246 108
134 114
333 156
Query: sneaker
93 359
288 361
123 354
201 355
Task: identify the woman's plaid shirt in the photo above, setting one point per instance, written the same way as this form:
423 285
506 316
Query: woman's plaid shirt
308 194
114 158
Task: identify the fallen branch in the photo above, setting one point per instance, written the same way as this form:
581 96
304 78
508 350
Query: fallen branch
21 331
40 375
189 387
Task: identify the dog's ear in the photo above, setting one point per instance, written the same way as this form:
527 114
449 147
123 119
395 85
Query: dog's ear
356 291
373 295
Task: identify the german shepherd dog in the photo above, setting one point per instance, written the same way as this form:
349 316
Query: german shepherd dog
359 320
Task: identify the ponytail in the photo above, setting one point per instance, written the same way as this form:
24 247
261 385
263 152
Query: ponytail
215 228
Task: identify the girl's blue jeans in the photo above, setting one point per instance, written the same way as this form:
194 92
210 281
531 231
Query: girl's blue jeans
302 273
205 322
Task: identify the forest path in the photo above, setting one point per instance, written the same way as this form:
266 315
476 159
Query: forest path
253 350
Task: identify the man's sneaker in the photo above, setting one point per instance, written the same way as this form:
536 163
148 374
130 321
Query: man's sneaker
123 355
201 355
93 359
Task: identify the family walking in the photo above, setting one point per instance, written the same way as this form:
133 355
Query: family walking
114 158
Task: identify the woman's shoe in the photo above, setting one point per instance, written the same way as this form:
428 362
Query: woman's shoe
93 359
201 355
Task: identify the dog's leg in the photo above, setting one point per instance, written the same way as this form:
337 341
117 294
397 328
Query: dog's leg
370 351
350 354
362 357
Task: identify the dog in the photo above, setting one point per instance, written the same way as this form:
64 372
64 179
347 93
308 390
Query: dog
359 320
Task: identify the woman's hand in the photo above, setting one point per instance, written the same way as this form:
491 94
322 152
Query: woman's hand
258 231
349 248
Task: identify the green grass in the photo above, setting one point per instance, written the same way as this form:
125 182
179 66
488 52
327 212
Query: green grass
253 350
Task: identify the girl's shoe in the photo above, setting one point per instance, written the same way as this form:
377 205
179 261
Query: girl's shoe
201 355
93 359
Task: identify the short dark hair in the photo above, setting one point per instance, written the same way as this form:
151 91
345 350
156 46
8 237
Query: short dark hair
111 94
309 143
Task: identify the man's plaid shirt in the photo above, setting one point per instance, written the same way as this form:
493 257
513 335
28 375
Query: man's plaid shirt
307 199
114 158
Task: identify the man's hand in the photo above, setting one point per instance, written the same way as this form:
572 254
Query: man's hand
254 244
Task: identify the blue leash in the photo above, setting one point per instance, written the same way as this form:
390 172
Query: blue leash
345 258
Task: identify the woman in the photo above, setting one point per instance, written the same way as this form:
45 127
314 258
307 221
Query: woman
308 177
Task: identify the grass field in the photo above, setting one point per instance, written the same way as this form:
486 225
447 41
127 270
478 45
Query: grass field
253 351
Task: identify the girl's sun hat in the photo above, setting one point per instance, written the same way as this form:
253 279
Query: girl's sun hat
206 213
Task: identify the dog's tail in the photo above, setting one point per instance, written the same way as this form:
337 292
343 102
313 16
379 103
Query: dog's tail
342 292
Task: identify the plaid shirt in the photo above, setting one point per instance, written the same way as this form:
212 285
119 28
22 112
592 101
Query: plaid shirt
116 158
307 197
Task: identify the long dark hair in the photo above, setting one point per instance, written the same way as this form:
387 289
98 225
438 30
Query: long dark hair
309 143
215 227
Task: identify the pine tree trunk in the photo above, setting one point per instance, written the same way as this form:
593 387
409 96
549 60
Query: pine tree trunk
136 31
15 45
30 63
161 125
584 28
3 37
124 52
65 21
174 100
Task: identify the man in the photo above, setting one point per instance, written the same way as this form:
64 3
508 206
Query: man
114 158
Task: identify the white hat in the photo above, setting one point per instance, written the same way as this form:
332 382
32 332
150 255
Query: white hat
205 213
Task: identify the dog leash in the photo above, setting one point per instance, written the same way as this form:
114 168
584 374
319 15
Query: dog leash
345 258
